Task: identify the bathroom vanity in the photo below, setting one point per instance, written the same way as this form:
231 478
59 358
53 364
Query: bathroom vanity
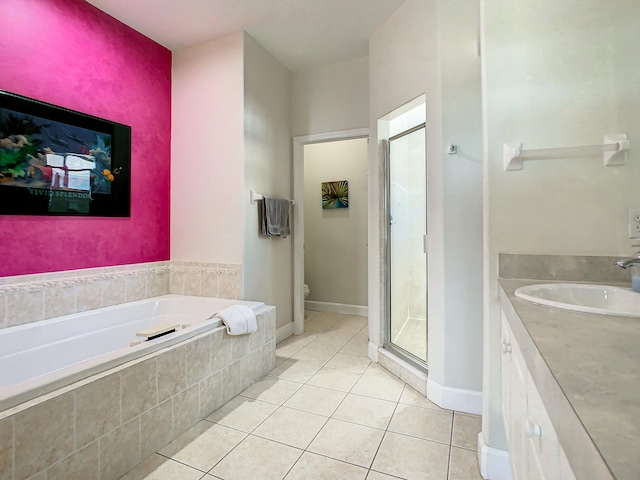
570 391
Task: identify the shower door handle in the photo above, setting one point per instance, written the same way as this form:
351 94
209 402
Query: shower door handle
425 244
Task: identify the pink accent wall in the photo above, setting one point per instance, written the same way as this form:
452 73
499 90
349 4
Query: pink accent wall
71 54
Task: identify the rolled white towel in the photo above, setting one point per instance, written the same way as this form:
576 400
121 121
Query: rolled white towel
239 319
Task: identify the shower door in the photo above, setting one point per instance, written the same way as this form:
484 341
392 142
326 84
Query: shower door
406 245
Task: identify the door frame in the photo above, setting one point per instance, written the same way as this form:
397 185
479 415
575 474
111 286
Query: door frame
298 212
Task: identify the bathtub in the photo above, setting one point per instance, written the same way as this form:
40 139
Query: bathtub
41 357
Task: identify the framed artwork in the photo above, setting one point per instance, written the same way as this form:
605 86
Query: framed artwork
335 194
56 161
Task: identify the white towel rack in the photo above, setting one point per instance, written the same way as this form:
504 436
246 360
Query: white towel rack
254 197
614 151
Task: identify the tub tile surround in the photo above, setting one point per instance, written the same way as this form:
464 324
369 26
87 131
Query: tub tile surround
104 426
31 298
206 279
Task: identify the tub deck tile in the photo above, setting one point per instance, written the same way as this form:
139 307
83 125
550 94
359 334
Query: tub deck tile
44 434
120 450
6 449
98 409
139 389
82 464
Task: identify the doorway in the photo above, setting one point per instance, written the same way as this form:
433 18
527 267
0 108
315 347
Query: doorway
299 216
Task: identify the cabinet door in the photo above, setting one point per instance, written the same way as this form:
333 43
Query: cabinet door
541 442
518 412
506 376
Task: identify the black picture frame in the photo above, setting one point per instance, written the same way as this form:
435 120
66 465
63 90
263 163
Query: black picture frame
56 161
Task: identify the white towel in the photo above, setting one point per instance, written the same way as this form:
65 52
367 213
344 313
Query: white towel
239 319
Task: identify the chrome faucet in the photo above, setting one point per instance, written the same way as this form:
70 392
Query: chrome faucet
629 262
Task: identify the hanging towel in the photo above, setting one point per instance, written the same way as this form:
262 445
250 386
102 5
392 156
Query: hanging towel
239 319
275 217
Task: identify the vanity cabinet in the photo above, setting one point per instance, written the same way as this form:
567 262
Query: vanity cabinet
534 450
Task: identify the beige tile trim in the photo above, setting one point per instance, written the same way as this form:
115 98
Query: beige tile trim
38 285
206 270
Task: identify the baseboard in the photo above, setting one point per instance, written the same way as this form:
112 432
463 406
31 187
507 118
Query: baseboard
373 352
459 399
494 463
342 308
284 331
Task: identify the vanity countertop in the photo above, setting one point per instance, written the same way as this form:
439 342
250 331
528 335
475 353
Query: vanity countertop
587 370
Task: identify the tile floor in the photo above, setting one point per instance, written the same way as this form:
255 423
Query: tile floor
325 412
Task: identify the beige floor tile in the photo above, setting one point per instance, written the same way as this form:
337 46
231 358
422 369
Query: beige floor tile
368 411
316 467
411 396
465 430
379 476
242 413
291 427
357 346
423 423
310 315
352 322
384 388
203 445
160 468
331 342
412 458
322 322
342 380
348 442
463 465
273 460
292 344
318 400
353 363
272 390
312 356
295 371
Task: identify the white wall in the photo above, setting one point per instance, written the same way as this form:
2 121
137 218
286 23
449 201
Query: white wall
335 253
555 74
207 152
461 195
430 47
268 270
403 65
330 98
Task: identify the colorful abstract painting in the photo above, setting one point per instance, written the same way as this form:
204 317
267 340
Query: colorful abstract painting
335 194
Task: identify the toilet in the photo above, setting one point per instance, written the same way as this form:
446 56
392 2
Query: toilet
306 290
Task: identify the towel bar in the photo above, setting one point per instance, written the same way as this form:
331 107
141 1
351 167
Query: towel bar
254 197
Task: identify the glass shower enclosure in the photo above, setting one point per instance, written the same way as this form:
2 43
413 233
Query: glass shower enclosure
406 257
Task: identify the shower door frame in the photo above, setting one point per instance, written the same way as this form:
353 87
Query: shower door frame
385 146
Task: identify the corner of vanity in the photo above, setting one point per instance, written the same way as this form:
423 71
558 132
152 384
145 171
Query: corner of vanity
570 391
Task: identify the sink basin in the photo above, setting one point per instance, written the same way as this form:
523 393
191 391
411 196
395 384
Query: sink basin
602 299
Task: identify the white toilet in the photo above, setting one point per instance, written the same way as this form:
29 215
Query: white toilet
306 290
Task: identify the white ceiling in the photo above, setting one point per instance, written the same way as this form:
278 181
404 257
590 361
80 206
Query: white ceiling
299 33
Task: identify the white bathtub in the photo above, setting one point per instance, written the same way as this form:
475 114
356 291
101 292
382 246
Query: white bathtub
44 356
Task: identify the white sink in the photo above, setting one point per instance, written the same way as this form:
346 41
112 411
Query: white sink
588 298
